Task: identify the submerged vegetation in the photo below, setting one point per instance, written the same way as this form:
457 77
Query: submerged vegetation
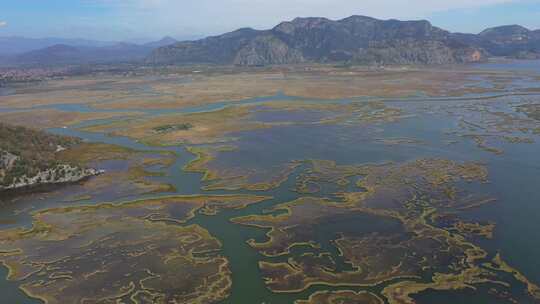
174 127
346 197
138 250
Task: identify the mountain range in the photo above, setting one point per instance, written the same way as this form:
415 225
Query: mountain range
509 40
74 51
356 39
17 45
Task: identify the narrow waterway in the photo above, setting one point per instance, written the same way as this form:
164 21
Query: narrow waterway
514 179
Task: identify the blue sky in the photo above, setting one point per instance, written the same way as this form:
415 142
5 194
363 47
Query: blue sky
151 19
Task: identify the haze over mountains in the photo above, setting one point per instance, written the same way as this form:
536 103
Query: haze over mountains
54 51
509 40
356 39
17 45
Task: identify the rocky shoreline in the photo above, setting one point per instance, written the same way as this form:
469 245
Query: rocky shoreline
61 174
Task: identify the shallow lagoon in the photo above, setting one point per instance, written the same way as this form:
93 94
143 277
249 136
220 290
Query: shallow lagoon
513 179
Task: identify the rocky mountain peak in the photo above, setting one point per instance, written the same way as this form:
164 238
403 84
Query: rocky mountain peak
355 39
357 19
505 30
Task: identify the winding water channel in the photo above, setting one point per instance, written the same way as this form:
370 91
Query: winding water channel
513 177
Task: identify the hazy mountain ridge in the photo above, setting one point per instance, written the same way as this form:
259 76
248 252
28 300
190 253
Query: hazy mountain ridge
17 45
357 39
167 40
75 51
510 40
66 54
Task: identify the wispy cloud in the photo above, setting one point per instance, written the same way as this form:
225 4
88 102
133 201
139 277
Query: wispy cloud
320 7
188 18
3 23
209 16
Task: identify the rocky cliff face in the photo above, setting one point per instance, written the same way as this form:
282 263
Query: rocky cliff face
403 52
266 49
511 40
354 39
216 50
508 40
56 175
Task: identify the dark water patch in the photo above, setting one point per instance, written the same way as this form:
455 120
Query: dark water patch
331 228
480 295
513 180
6 91
262 149
298 116
510 65
279 145
10 292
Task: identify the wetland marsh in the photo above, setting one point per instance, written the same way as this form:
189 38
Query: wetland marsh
283 185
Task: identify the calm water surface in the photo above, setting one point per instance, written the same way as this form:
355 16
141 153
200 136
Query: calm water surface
514 179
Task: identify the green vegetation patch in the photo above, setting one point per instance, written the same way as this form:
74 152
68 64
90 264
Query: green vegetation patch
531 110
31 152
173 127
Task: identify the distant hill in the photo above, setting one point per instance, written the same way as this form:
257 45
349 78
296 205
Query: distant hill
66 54
75 51
58 52
18 45
163 42
357 39
510 40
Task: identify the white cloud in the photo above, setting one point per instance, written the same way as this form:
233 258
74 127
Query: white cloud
3 23
264 9
184 17
263 12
